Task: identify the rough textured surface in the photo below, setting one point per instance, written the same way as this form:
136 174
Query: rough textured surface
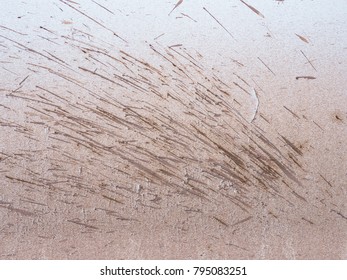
173 129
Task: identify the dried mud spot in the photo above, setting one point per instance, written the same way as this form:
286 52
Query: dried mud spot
338 117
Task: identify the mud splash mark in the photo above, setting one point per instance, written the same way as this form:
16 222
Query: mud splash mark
308 60
92 19
266 66
253 9
219 23
305 77
176 6
302 38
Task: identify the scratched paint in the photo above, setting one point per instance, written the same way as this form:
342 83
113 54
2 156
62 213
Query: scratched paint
173 129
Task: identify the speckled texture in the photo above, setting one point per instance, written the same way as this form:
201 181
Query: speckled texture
216 131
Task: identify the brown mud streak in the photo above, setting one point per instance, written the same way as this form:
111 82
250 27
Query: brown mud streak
174 8
136 143
94 20
253 9
219 23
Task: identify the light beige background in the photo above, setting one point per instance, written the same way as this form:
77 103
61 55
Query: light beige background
215 131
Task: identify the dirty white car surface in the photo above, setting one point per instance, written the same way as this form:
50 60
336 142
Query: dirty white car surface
173 129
